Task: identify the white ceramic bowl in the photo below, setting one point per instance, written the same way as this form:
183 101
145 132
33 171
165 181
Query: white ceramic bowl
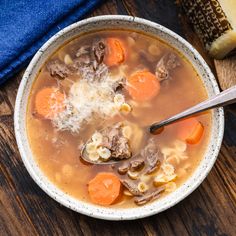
116 22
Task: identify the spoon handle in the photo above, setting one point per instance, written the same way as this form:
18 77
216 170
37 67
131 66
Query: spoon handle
224 98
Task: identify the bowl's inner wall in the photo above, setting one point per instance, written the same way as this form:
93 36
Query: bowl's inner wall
106 23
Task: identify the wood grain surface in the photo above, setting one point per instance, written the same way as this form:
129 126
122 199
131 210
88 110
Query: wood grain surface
26 210
226 72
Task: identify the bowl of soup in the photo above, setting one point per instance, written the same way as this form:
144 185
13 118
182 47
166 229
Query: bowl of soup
95 87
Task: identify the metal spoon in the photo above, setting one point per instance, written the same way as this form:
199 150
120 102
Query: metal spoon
224 98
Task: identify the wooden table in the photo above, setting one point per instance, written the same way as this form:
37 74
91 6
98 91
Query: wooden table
26 210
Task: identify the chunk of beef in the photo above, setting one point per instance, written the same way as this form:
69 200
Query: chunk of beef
120 148
166 65
58 69
152 156
115 141
136 165
149 196
119 84
89 62
93 55
98 49
132 187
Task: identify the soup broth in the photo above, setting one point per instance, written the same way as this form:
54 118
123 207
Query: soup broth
56 139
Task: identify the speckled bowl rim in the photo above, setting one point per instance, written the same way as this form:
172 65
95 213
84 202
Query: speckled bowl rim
115 213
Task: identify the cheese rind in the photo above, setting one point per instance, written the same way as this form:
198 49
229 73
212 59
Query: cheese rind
215 22
223 45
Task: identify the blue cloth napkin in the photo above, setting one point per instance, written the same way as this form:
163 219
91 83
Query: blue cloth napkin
26 24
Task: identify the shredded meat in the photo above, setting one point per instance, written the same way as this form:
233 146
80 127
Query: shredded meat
89 62
58 69
116 142
132 187
136 165
152 155
165 66
149 196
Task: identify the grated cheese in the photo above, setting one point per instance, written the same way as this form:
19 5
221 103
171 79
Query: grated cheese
87 101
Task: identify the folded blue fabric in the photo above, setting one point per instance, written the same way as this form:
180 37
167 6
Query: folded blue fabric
26 24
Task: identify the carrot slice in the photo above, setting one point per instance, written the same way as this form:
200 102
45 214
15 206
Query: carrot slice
104 188
143 86
196 134
191 130
115 52
49 102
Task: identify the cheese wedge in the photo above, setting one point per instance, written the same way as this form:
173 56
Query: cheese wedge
215 23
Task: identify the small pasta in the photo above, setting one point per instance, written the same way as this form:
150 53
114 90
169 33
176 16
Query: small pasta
180 146
127 131
170 177
97 138
67 59
127 193
133 175
161 179
119 99
104 153
170 187
168 169
131 41
125 108
173 159
91 147
93 156
142 187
